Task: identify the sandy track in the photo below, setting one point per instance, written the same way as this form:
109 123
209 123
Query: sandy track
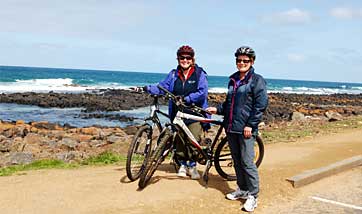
106 189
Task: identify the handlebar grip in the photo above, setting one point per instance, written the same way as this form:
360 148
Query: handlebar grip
173 97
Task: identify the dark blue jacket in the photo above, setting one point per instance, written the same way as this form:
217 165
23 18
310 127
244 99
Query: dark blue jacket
199 98
245 102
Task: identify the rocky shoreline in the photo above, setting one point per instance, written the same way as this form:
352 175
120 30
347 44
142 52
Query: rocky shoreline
281 106
22 143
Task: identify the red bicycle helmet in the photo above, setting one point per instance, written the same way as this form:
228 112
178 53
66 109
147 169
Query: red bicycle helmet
185 49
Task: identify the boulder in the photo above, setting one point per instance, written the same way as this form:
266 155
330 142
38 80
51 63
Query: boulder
131 130
33 138
297 116
20 122
44 125
5 145
69 143
68 156
333 116
20 158
114 139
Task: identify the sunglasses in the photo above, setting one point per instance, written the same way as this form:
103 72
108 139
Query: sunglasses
184 57
243 60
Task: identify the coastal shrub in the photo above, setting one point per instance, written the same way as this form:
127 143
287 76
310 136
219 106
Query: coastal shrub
39 164
101 159
104 158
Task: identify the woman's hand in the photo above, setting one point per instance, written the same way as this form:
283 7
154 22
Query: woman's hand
211 110
247 132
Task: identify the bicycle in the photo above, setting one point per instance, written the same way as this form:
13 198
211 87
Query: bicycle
206 155
140 147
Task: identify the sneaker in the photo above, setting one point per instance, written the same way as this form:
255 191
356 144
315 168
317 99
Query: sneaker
237 194
194 173
250 204
182 172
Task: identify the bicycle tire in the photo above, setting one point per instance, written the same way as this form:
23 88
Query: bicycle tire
223 153
138 152
154 161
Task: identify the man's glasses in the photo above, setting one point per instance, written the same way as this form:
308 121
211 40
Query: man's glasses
184 57
243 60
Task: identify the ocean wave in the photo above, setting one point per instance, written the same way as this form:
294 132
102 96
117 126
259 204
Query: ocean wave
356 88
41 85
302 90
316 91
54 82
68 85
55 85
218 90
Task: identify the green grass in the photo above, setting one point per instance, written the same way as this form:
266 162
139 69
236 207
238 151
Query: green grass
102 159
294 131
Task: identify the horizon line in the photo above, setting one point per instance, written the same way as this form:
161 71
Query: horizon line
152 72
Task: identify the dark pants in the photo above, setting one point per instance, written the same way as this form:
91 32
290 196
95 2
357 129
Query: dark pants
242 152
183 150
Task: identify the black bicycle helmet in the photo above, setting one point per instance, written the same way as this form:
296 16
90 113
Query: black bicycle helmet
185 49
245 50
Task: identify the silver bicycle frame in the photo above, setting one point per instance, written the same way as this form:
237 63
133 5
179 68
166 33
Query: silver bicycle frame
178 121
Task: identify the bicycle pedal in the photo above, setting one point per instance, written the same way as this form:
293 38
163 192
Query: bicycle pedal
206 142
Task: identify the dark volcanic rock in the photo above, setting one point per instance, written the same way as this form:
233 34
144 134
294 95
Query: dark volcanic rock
108 100
281 106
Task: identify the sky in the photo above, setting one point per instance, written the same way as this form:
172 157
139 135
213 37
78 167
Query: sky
302 40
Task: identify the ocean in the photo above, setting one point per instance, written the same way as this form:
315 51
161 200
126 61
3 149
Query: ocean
24 79
21 79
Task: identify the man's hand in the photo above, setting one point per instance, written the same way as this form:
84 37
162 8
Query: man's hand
180 100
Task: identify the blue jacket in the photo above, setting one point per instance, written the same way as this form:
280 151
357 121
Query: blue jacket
199 98
245 102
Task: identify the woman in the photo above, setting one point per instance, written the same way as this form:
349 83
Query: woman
188 81
243 108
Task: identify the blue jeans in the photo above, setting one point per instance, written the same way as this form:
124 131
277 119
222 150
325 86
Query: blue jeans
190 163
242 152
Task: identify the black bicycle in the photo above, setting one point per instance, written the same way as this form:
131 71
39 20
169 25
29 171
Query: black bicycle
141 145
206 155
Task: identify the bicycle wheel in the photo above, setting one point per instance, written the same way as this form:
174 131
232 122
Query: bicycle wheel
224 163
155 160
138 152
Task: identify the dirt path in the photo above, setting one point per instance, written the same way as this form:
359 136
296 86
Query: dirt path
106 189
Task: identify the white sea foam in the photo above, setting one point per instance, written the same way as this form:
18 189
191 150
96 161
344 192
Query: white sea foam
55 82
302 90
67 85
41 85
305 90
55 85
218 90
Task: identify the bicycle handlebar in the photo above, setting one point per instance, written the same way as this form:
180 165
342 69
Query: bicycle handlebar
173 97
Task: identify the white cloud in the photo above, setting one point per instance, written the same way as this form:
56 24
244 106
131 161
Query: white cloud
69 18
292 16
293 57
346 13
